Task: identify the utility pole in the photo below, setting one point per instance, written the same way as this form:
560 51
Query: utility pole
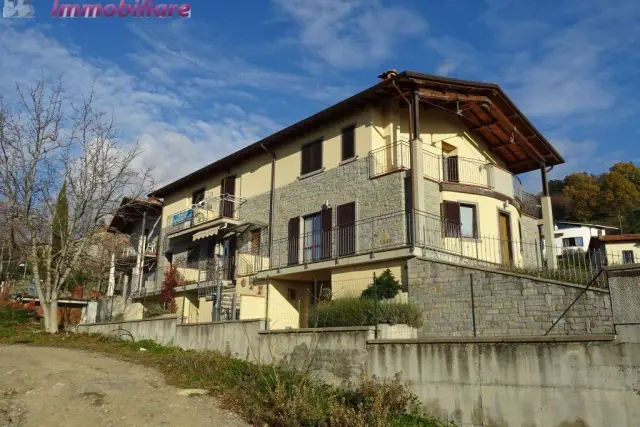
620 220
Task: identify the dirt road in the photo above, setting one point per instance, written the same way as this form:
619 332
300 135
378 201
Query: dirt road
59 388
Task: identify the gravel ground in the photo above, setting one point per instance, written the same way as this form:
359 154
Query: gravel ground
55 387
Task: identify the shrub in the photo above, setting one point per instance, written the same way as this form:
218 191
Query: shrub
168 294
13 313
154 309
362 312
385 287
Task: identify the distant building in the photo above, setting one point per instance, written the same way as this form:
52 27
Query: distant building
619 249
576 236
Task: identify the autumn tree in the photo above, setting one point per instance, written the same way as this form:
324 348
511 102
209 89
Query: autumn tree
45 143
617 192
582 190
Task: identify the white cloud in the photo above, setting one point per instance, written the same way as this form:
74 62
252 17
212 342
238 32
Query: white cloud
175 137
351 33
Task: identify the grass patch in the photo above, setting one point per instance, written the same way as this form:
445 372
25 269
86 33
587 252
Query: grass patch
362 312
263 395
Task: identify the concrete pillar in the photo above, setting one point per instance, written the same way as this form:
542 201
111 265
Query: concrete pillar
624 286
112 276
547 232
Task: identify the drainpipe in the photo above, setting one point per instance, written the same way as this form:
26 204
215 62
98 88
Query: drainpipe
271 197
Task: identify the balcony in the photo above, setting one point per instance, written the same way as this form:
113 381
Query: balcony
151 251
390 158
459 170
529 203
212 211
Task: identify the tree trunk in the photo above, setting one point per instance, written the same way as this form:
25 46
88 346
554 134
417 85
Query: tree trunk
52 326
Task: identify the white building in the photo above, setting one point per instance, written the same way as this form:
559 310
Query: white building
575 236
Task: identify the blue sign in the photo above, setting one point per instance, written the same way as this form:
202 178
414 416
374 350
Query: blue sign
183 216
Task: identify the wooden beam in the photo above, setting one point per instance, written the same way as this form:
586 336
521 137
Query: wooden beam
451 96
508 126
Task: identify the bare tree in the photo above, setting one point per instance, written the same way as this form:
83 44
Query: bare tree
45 144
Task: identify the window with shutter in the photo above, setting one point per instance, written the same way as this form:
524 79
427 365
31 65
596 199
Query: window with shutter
293 242
346 222
311 157
255 241
348 142
451 215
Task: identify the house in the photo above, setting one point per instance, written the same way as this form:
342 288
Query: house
414 165
137 220
575 236
618 249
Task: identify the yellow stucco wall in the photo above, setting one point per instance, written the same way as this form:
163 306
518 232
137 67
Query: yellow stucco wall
614 251
488 246
252 306
349 282
285 313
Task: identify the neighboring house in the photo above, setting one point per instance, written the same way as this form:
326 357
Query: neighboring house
618 249
326 202
575 236
134 266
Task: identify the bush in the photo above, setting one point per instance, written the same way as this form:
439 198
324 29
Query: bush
154 309
14 313
385 287
362 312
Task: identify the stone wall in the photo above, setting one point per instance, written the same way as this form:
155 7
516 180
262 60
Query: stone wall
624 285
505 304
530 241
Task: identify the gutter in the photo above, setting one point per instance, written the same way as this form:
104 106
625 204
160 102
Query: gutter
271 196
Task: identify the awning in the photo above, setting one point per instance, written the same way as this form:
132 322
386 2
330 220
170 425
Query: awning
209 232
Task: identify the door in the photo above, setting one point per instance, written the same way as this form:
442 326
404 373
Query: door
506 252
230 258
227 194
346 221
452 169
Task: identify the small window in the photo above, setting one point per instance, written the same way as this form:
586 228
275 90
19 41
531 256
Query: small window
311 157
627 257
468 226
255 241
348 142
572 242
291 294
197 196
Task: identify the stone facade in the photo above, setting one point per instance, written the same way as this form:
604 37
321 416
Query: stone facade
505 304
530 241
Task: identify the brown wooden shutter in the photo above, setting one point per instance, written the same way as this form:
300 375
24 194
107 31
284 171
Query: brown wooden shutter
451 214
293 240
305 165
325 239
348 142
346 218
316 149
475 221
255 241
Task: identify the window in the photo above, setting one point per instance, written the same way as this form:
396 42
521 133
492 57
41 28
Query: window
255 241
193 256
348 142
317 236
311 157
227 193
570 242
291 294
627 257
460 219
346 222
197 196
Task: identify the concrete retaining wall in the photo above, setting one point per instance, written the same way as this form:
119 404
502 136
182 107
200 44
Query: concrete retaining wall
514 384
162 331
236 339
505 304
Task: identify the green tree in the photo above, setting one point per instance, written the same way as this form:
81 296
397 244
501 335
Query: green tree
59 225
556 186
385 287
582 192
629 171
617 192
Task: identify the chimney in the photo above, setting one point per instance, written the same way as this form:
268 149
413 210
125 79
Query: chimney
389 74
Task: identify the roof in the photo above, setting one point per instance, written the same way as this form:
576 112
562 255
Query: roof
619 238
486 108
587 225
131 210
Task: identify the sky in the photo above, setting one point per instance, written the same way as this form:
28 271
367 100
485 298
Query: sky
191 91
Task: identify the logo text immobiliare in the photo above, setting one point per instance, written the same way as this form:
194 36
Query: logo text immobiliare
135 9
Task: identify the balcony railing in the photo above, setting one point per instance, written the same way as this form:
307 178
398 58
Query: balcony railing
457 169
389 158
151 250
210 209
529 203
